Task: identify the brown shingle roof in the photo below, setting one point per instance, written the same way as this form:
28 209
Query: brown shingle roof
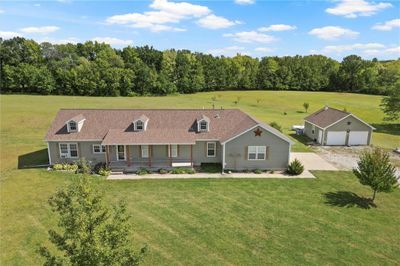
114 126
326 116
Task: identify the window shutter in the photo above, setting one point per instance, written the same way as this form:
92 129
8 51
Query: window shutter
167 146
245 152
140 151
266 153
177 150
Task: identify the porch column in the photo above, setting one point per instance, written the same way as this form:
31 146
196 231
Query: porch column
169 155
106 155
150 148
128 155
223 158
191 155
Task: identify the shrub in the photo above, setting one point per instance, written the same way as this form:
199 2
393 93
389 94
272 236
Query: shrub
211 167
163 171
258 171
276 126
179 171
104 172
143 171
295 168
58 167
70 167
83 166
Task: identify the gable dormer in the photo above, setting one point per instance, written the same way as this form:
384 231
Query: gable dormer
140 124
75 124
203 124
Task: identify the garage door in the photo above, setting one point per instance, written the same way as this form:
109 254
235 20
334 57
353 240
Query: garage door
358 138
336 138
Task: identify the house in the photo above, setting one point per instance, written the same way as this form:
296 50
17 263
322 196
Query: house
330 126
130 138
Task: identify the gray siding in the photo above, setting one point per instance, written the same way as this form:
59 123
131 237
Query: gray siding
85 149
277 155
355 125
308 131
200 153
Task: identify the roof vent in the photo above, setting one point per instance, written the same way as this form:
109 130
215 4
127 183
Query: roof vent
326 107
217 116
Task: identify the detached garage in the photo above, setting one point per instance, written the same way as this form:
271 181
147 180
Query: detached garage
333 127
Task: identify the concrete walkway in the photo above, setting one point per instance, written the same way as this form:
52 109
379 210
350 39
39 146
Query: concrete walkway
305 174
312 161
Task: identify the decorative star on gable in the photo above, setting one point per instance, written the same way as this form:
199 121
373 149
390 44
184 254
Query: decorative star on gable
257 133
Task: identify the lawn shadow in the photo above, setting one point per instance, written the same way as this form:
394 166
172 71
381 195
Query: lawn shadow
348 199
392 129
300 112
301 138
33 159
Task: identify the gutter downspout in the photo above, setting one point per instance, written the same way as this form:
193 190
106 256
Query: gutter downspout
48 153
223 158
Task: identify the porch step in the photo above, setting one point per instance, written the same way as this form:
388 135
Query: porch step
117 171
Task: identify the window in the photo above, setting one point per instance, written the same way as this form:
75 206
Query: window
121 153
211 149
145 151
72 126
203 126
313 129
139 125
173 151
68 150
256 152
97 148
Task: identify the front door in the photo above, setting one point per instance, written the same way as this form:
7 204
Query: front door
121 156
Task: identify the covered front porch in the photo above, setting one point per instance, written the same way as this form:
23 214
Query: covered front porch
129 158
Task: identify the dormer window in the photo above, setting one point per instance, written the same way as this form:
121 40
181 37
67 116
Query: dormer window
72 126
139 125
203 126
75 124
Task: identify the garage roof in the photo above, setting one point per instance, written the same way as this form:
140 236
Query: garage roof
326 116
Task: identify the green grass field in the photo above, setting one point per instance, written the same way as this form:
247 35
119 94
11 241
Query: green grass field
205 222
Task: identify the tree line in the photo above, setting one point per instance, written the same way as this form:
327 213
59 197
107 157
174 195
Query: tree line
96 69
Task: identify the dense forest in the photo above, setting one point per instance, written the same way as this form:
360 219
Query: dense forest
93 68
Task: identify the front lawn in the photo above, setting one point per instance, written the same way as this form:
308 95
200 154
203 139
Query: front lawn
226 221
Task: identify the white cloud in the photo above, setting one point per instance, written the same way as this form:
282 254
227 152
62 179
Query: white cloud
9 34
251 37
37 5
355 8
1 11
181 8
333 33
40 30
388 25
366 49
228 51
72 40
264 49
215 22
245 2
165 12
277 27
113 41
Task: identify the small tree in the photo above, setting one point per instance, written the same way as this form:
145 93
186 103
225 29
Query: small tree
391 104
92 233
306 105
375 170
295 168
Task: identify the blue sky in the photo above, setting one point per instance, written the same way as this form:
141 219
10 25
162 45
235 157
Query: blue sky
255 27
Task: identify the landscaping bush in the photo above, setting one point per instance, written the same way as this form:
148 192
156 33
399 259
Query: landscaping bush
258 171
102 169
70 167
163 171
276 126
58 167
143 171
83 166
179 171
295 168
